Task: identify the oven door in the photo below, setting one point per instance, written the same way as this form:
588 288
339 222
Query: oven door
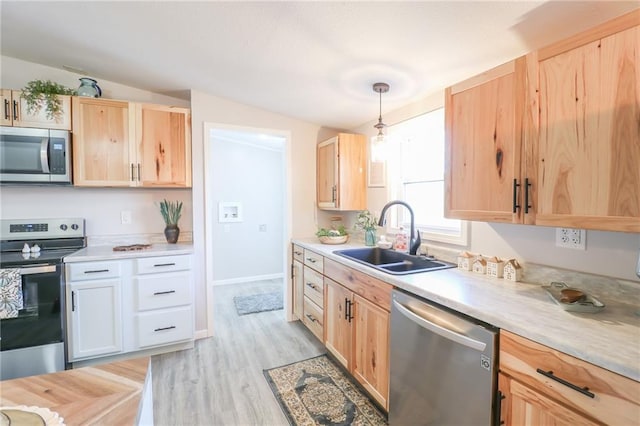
40 321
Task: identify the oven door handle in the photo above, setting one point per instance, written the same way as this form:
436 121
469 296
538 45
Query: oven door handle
37 270
44 155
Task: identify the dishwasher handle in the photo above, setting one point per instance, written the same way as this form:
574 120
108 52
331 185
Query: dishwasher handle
442 331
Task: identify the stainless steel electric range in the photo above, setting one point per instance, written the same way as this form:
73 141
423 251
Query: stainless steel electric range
32 293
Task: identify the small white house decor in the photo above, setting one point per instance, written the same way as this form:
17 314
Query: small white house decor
480 265
495 267
465 261
512 270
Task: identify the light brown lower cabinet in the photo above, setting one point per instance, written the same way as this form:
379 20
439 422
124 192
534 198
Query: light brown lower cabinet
542 386
357 326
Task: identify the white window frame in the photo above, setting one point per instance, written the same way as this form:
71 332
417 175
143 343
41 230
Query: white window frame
396 191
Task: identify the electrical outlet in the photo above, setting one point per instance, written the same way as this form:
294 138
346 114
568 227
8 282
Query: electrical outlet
125 217
571 238
262 227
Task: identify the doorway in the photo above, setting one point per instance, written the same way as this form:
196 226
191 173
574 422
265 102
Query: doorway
247 209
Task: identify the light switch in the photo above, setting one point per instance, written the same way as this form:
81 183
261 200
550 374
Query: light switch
262 227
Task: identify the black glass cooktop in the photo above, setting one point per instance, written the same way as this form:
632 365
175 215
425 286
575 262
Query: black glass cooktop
15 259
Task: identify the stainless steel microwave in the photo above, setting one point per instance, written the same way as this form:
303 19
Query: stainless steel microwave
36 156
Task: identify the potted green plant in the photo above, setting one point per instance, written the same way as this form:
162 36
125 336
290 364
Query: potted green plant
171 212
44 94
367 222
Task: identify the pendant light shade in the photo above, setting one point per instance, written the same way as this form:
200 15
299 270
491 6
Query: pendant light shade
378 143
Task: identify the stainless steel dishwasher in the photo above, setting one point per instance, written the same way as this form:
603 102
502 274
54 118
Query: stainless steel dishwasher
442 366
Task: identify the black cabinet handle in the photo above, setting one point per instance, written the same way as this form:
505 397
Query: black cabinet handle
527 206
73 301
311 318
165 328
347 313
334 194
97 271
516 185
312 285
297 253
158 293
157 265
311 260
7 112
139 178
15 110
133 176
498 417
584 390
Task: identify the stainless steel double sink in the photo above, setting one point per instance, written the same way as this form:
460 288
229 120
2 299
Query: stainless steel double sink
393 262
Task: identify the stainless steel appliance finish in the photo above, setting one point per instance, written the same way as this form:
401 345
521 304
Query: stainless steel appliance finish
33 341
443 366
36 156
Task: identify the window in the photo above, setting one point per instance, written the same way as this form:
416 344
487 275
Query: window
416 161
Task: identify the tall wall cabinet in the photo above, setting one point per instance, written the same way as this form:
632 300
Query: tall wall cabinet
120 143
341 173
551 138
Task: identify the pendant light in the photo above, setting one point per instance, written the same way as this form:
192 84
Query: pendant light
378 142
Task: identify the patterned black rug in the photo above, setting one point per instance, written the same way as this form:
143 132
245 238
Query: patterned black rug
258 303
316 392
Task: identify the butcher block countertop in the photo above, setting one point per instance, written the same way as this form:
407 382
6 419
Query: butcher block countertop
101 394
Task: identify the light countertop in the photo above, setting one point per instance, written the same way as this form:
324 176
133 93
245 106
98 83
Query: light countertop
609 339
96 253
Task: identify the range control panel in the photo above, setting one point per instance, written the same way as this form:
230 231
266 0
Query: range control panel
18 229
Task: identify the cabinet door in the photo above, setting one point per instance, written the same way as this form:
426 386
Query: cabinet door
96 318
523 406
338 322
589 144
102 133
163 137
40 118
352 176
7 108
298 289
327 173
483 144
371 349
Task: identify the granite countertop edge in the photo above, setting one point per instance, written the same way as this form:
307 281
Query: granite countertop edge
609 339
98 253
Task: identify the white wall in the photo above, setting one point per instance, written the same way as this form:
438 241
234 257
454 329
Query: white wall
611 254
254 177
100 207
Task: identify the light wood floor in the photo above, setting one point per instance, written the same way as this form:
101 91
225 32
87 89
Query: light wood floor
220 381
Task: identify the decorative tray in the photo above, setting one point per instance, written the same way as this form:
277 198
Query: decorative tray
334 239
585 303
132 247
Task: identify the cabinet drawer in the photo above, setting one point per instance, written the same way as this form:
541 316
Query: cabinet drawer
313 260
152 265
93 270
614 399
163 291
298 253
364 285
166 326
313 318
314 286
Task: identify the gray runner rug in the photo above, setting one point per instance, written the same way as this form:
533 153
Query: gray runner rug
258 303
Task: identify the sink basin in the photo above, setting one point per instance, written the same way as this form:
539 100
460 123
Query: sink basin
393 262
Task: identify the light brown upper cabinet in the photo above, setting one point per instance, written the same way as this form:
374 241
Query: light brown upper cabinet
14 113
120 143
341 175
485 177
163 136
589 138
551 138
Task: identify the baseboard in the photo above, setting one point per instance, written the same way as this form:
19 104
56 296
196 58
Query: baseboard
201 334
248 279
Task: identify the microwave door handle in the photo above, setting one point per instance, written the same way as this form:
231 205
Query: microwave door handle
44 155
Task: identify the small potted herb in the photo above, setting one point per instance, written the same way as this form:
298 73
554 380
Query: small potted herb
333 236
171 212
40 94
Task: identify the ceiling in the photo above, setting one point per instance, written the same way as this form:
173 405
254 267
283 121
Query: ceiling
315 61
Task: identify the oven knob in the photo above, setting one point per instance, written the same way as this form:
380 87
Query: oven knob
74 226
63 227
